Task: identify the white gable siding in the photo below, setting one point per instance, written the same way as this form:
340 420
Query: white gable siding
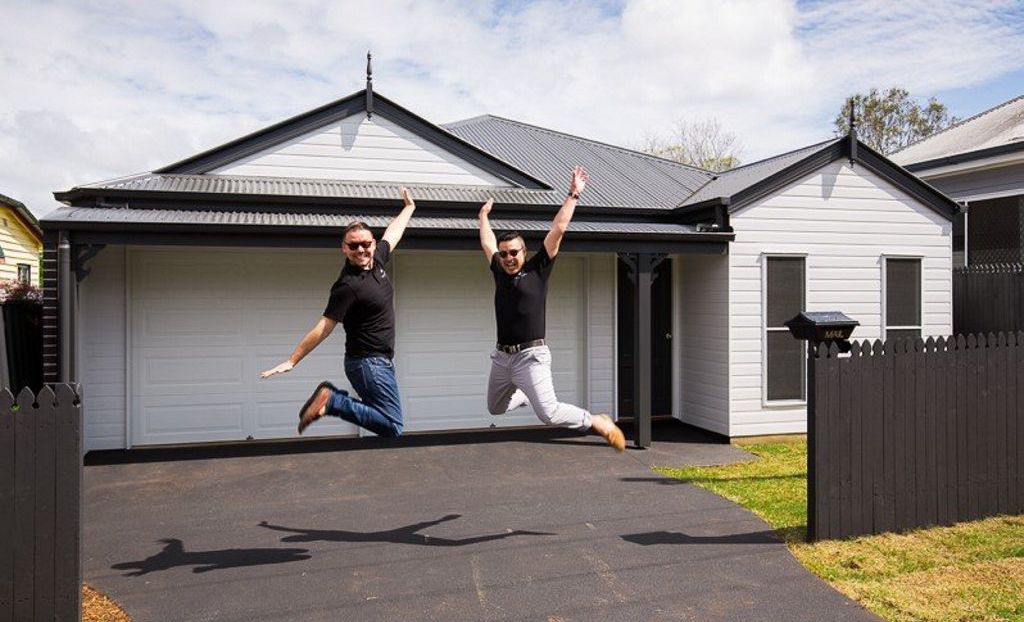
101 351
702 287
361 149
844 219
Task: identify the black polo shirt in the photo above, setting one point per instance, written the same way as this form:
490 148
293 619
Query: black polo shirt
363 301
520 299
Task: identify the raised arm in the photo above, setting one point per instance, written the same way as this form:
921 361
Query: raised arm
553 240
313 338
397 227
487 240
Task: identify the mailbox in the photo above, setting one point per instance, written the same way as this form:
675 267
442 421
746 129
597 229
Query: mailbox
823 326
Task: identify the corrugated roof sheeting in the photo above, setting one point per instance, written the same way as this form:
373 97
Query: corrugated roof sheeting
995 127
72 215
619 176
731 182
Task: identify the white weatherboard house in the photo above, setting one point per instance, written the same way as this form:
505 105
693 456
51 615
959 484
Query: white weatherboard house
180 285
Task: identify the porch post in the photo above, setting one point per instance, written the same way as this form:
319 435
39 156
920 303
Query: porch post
644 266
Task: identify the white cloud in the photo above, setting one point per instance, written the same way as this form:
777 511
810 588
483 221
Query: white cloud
99 90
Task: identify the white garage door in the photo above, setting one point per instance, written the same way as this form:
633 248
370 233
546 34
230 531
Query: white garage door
206 322
446 332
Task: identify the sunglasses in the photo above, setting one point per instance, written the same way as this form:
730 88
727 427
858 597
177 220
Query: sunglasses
366 244
512 251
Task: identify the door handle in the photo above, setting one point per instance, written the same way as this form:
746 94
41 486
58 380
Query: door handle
668 335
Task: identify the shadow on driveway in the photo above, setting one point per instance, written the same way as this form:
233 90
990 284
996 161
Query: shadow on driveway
401 535
174 555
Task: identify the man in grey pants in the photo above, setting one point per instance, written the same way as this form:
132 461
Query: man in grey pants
521 362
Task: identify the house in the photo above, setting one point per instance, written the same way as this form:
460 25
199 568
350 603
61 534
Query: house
668 297
21 242
980 162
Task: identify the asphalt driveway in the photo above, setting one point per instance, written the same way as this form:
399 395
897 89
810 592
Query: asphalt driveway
534 525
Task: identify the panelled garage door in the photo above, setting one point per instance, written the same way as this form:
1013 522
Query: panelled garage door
446 332
204 323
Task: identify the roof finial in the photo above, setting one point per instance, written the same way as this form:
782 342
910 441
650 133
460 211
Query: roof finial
369 86
853 131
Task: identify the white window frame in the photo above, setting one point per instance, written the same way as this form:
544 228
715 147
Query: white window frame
765 402
28 269
885 302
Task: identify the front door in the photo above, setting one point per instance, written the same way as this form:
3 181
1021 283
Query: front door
661 340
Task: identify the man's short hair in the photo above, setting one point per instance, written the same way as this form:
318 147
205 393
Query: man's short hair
356 226
508 236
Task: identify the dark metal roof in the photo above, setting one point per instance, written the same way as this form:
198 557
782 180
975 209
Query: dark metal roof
731 182
234 185
70 217
619 177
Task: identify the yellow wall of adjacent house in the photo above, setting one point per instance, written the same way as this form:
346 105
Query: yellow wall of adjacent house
19 244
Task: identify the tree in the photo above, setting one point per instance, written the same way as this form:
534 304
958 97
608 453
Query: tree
889 121
703 144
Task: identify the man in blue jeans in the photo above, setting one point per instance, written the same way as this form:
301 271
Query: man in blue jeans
362 299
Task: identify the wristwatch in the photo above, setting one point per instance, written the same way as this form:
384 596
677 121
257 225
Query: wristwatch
574 195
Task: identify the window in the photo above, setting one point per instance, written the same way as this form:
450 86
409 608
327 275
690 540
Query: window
3 258
902 295
24 273
784 356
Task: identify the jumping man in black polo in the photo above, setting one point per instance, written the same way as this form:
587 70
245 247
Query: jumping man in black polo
521 362
362 299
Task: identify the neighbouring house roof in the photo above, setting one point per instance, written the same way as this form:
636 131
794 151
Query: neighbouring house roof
26 216
996 131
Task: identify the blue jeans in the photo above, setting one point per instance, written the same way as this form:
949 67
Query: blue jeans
380 409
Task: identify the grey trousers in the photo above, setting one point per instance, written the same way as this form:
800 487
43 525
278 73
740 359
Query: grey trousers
526 377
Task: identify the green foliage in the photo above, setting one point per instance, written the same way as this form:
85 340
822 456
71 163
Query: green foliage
889 121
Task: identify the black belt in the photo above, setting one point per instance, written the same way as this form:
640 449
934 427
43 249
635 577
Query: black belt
520 346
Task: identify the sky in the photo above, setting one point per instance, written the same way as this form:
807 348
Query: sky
94 90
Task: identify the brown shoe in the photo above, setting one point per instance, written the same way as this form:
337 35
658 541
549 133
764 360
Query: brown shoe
310 411
614 435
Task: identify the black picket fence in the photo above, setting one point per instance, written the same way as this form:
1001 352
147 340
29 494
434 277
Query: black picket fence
40 505
23 338
912 433
988 298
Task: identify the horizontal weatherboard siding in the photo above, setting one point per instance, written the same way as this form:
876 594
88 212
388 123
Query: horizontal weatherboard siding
844 220
362 149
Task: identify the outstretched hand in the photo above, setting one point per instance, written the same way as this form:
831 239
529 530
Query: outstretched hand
485 209
579 180
407 197
280 369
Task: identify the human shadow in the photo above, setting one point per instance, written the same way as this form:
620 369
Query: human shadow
174 554
675 537
401 535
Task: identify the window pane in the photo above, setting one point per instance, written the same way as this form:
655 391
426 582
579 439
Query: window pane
785 289
907 333
24 273
785 367
903 292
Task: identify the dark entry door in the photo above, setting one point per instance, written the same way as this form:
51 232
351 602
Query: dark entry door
661 340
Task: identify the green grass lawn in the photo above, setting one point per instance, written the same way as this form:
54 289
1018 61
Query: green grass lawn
971 571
